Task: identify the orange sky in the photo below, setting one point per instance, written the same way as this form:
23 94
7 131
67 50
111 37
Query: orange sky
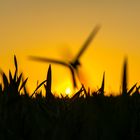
49 27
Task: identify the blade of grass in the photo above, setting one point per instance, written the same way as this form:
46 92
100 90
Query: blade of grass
5 80
25 91
130 91
16 66
0 88
124 80
103 84
38 87
76 96
19 80
49 95
23 84
136 91
49 79
15 62
85 92
101 90
10 77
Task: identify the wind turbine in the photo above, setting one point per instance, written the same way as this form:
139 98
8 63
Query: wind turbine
73 64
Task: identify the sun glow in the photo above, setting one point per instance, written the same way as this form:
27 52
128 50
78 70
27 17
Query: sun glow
68 91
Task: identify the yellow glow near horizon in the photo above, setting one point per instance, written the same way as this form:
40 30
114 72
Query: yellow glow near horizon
48 28
68 91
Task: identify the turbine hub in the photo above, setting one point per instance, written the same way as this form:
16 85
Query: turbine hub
75 64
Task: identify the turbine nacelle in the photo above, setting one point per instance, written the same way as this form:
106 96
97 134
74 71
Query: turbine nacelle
75 64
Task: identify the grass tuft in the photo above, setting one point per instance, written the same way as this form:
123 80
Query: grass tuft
86 115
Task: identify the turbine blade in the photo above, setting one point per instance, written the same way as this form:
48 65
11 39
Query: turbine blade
88 41
73 77
46 60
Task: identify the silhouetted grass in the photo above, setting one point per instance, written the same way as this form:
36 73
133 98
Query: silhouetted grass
85 116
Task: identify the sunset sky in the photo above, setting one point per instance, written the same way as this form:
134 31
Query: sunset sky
52 28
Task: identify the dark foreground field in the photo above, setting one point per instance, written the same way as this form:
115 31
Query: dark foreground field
85 116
